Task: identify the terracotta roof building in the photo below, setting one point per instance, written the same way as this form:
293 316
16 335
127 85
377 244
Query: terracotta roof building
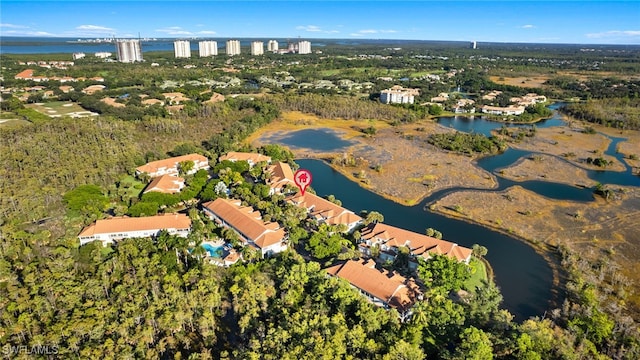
170 166
166 184
280 174
251 158
24 74
324 211
117 228
381 287
389 238
268 237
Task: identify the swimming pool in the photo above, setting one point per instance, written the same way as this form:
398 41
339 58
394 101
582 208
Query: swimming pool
214 251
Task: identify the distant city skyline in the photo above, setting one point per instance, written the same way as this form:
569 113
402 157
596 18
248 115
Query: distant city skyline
579 22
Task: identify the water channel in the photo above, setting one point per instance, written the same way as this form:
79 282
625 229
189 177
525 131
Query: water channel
524 277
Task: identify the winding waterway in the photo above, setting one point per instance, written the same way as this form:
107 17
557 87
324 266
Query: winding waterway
525 278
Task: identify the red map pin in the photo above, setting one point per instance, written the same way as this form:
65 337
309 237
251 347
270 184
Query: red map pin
302 178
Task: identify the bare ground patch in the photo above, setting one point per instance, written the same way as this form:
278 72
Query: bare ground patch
522 81
546 168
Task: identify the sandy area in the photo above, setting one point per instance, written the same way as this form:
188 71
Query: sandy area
546 168
571 142
529 82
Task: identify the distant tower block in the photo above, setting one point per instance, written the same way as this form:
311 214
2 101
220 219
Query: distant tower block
128 50
272 46
208 48
257 48
473 45
233 47
304 47
182 49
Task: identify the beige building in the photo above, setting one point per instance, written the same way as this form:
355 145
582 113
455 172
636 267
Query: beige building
304 47
257 48
118 228
128 50
207 48
272 46
233 47
398 95
182 49
170 166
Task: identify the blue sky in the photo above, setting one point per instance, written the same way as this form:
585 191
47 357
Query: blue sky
593 22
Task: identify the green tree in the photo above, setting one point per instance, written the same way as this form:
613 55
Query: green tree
373 217
474 345
442 273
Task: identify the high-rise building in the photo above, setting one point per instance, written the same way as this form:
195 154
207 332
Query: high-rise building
257 48
304 47
233 47
208 48
473 45
272 46
128 50
182 48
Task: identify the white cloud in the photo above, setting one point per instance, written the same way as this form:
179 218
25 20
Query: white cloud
528 26
316 29
27 33
615 33
372 31
207 32
174 30
13 26
94 28
309 28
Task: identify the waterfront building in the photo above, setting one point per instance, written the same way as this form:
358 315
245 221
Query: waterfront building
251 158
304 47
272 46
78 55
208 48
182 49
257 48
233 47
324 211
128 50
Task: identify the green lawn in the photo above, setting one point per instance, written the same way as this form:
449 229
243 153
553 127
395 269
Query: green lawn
132 185
59 108
478 274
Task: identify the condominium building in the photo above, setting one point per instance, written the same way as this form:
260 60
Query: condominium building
208 48
272 46
304 47
182 48
257 48
128 50
233 47
110 230
398 95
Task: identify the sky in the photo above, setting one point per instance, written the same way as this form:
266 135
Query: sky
578 22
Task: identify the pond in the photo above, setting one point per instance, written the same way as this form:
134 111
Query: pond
321 140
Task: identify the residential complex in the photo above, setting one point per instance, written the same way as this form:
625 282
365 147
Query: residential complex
167 184
233 47
324 211
170 166
280 175
388 239
381 287
398 95
500 110
182 49
128 50
272 46
118 228
251 158
208 48
269 237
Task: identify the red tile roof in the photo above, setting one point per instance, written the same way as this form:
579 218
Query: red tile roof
322 209
166 184
170 163
420 245
25 74
281 174
390 287
128 224
246 221
240 156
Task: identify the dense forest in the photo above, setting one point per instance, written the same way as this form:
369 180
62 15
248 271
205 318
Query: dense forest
149 298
